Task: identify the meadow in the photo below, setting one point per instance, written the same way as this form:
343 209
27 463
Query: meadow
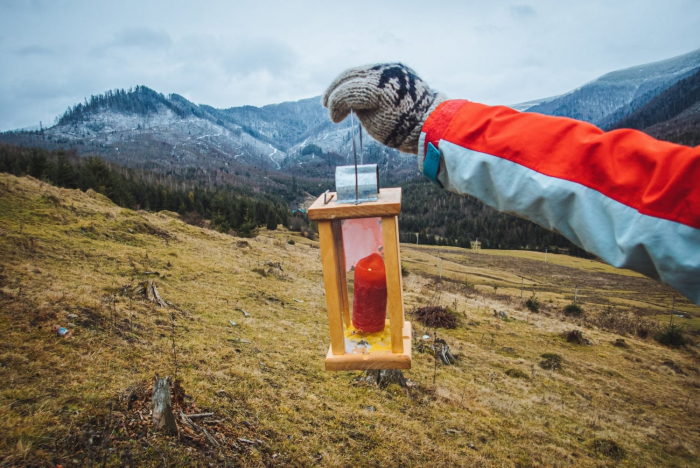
518 395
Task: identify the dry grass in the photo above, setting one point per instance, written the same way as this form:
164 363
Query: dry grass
67 256
554 282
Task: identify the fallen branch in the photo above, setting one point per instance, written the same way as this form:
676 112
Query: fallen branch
238 340
209 437
165 462
200 415
153 296
170 304
186 419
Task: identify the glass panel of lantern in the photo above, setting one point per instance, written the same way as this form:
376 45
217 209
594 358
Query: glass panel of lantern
368 327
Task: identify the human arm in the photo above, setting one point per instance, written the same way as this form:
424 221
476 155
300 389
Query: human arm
623 196
629 199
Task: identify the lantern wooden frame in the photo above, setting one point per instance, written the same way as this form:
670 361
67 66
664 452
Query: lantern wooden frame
329 216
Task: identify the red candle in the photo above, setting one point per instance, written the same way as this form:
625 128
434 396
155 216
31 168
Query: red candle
369 299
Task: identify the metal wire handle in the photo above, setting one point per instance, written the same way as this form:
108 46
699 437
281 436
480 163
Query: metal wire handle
354 152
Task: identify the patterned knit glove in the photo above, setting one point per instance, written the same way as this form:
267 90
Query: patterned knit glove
390 100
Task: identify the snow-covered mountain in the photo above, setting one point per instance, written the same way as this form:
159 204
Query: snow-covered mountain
143 127
523 106
613 96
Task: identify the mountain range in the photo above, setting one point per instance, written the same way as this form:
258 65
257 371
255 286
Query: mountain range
140 126
614 96
673 115
143 128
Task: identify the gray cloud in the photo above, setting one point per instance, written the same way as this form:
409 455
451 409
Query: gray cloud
143 38
532 61
522 11
34 50
54 53
258 55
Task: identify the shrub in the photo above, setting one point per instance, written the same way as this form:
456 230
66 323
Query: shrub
573 309
609 448
516 374
271 221
291 242
551 361
533 304
247 229
436 316
624 322
671 336
308 233
576 337
193 218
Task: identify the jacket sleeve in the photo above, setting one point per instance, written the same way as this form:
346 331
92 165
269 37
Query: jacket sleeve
623 196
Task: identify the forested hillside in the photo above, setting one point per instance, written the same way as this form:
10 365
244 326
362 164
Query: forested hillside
140 100
238 203
665 106
225 207
683 129
673 115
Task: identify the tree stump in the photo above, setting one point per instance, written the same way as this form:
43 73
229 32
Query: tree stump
442 352
383 378
163 417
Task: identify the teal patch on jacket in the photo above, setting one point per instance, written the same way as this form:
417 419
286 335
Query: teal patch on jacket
431 164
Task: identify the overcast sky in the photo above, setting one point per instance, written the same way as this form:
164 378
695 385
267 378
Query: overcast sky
54 53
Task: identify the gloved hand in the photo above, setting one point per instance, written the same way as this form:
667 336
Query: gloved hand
390 100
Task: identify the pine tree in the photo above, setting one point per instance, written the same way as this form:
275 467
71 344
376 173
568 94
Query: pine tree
65 175
271 221
38 164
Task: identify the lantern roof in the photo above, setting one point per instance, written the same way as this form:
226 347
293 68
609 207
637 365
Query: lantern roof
389 204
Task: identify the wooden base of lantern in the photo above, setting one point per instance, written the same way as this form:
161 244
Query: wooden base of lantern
373 361
329 216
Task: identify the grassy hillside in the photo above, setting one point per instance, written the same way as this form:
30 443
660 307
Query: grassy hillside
77 260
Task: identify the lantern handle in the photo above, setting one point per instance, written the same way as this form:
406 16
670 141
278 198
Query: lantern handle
354 152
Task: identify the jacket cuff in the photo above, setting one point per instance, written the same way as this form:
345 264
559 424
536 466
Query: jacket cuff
437 123
429 141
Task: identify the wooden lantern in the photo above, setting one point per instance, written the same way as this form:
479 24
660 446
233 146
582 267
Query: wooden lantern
329 216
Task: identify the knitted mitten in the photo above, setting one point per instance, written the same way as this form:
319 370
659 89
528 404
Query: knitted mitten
390 100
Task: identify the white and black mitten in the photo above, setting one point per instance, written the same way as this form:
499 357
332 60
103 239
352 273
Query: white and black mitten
390 100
